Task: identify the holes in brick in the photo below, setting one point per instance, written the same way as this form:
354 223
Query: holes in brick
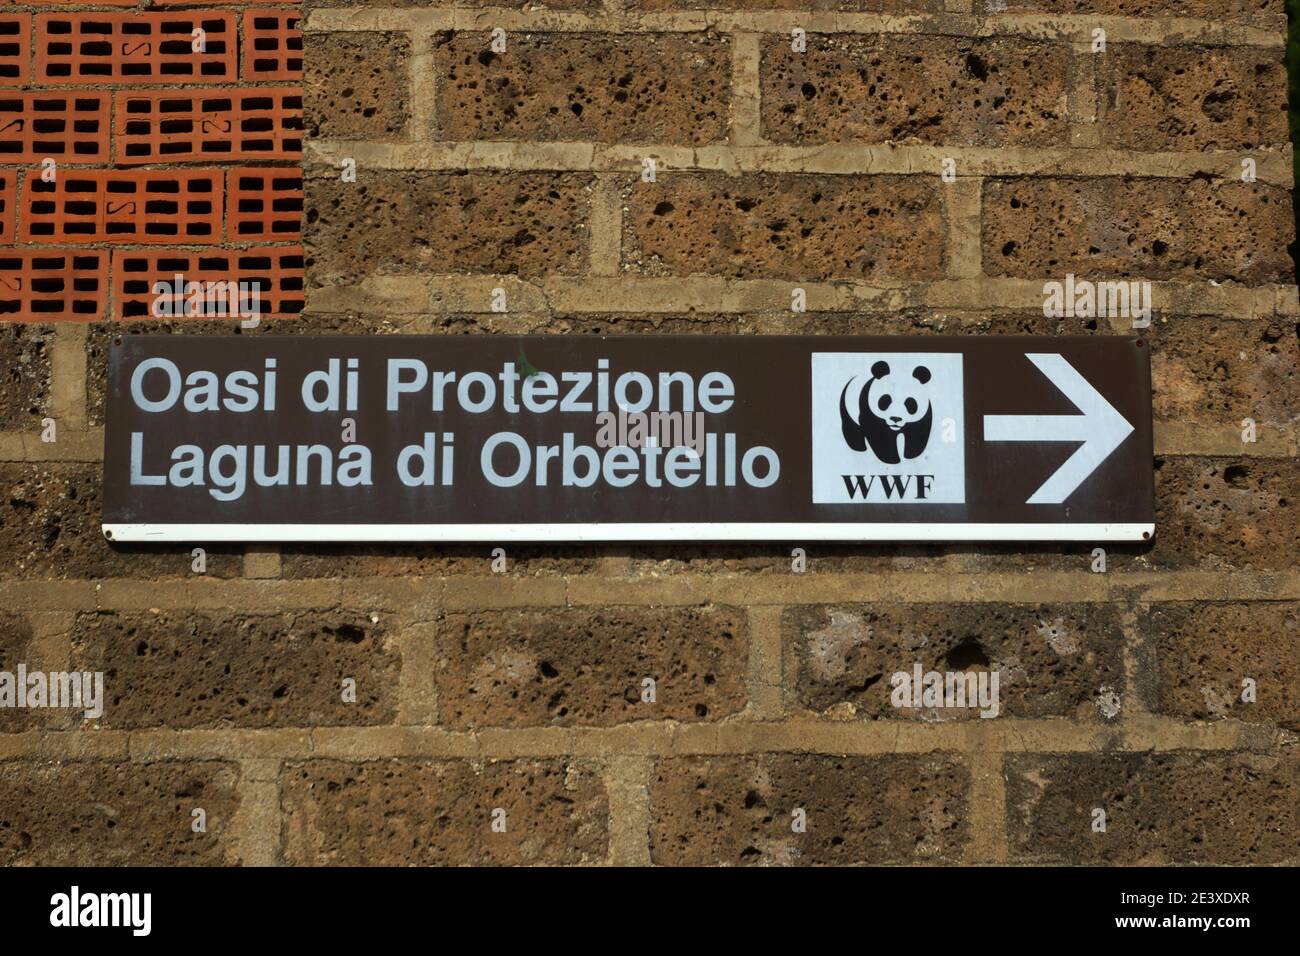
1237 476
141 47
52 284
276 273
966 655
208 127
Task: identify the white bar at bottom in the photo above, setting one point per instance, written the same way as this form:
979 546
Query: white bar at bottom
691 531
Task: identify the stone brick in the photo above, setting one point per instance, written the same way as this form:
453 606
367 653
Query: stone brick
183 669
1219 370
1161 808
589 6
1192 98
116 814
1052 661
357 85
416 813
1205 651
848 6
50 528
785 227
575 666
1219 230
761 560
1258 13
16 648
736 811
391 222
25 360
600 87
431 560
1226 513
1229 514
930 89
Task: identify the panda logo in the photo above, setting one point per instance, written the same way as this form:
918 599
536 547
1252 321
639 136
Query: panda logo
894 414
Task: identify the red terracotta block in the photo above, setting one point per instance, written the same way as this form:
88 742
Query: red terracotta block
15 48
263 204
272 45
8 199
42 285
178 126
135 48
66 126
159 206
276 269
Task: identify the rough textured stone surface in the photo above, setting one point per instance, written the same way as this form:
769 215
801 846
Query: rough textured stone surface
1226 513
573 666
601 87
1063 660
1144 228
736 811
204 669
15 649
50 528
1226 370
896 88
1261 13
1191 98
25 359
793 227
850 6
589 6
356 85
409 813
514 223
402 560
1205 651
88 813
1167 808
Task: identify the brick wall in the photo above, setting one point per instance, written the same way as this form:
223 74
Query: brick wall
774 169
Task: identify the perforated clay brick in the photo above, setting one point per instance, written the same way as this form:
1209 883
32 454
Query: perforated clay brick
263 204
45 284
135 48
276 272
179 126
158 206
63 126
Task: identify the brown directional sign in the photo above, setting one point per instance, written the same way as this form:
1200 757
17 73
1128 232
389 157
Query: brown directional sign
607 438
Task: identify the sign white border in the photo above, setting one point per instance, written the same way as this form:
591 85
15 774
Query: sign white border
631 532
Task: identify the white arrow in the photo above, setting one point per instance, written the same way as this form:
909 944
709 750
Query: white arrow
1100 428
